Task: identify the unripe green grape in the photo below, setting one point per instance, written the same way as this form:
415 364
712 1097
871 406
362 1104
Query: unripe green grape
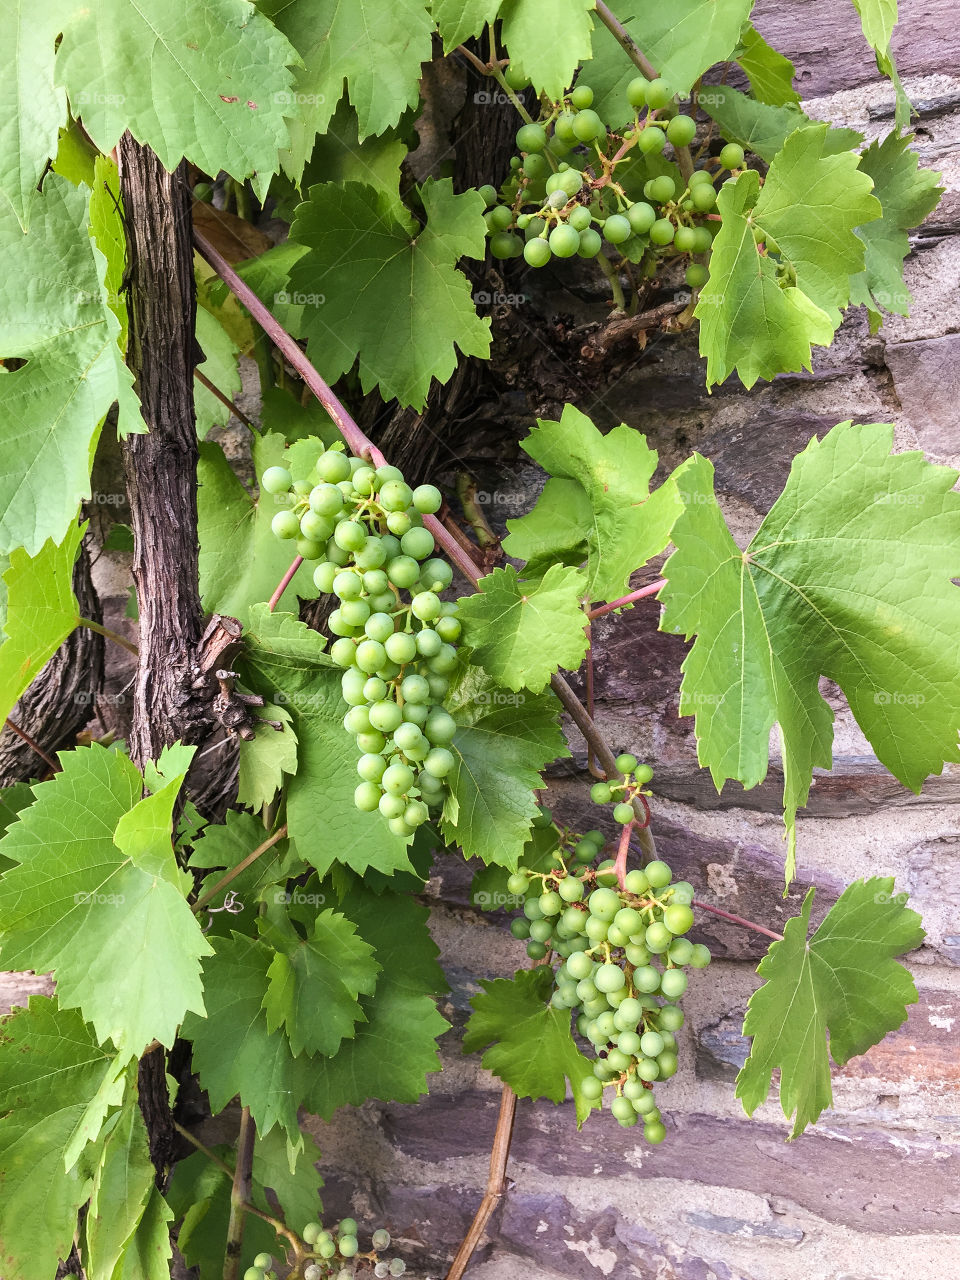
628 1014
551 904
570 889
642 774
323 577
517 882
416 713
443 663
662 232
399 522
351 685
680 951
415 814
574 921
370 767
366 796
253 1273
661 190
591 243
681 131
343 652
701 956
499 219
732 156
606 874
285 525
350 535
536 167
580 966
658 874
651 140
354 612
616 229
678 918
604 904
609 977
591 1088
503 245
403 571
439 762
622 1111
636 882
628 1042
333 466
667 1063
336 554
347 1244
357 720
696 275
537 253
647 1069
564 241
704 240
427 499
348 585
379 626
276 480
531 137
386 716
659 93
414 688
651 1044
671 1018
520 928
579 218
370 656
489 194
587 125
685 239
657 938
392 807
541 930
407 735
626 763
401 647
339 626
646 979
397 779
641 217
673 983
703 196
448 629
396 496
436 574
627 920
309 549
623 813
616 937
428 642
536 950
654 1132
440 726
425 606
582 97
600 793
563 128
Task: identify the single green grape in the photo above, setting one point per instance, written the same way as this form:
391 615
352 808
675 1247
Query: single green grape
704 196
641 217
531 137
637 92
582 97
617 228
564 241
681 131
651 140
732 156
673 983
537 253
623 813
658 94
600 793
587 125
285 525
591 243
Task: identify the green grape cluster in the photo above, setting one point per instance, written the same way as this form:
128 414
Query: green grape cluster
395 636
621 794
622 957
335 1253
565 198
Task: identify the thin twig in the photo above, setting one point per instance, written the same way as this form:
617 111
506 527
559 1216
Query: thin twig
613 280
241 866
284 583
746 924
639 594
496 1183
620 865
225 400
34 746
467 493
110 635
472 58
239 1195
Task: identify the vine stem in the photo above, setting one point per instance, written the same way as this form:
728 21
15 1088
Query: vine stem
613 280
620 865
284 583
224 400
232 874
496 1183
34 746
640 594
110 635
239 1195
745 924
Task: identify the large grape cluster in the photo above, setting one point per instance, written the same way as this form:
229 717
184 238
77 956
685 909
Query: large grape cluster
574 186
622 955
395 636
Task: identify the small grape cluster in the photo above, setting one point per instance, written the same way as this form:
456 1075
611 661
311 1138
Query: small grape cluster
334 1255
623 956
364 525
564 197
621 794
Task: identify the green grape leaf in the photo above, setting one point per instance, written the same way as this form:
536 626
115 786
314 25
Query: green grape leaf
281 411
50 1069
753 321
217 90
521 632
284 655
32 106
108 233
458 20
98 900
547 45
556 530
376 47
147 1254
387 291
265 758
199 1196
627 524
878 19
843 981
241 559
503 742
54 404
848 577
233 1051
907 194
395 1049
12 800
314 980
339 155
488 889
122 1189
41 613
769 72
528 1043
222 847
297 1187
219 366
762 127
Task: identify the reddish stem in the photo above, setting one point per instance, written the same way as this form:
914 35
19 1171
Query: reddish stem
653 588
620 865
746 924
284 583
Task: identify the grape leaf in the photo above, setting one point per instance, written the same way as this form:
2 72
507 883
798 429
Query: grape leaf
296 1188
376 47
907 194
502 743
848 577
199 1195
522 632
314 980
556 530
220 367
98 900
769 72
528 1043
285 655
547 45
54 316
41 613
843 980
339 155
753 321
388 290
32 107
241 559
233 1050
878 19
265 758
204 79
122 1189
50 1067
762 127
627 524
147 1254
395 1049
457 20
